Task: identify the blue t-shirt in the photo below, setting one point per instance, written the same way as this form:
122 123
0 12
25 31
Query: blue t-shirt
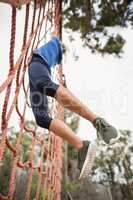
51 52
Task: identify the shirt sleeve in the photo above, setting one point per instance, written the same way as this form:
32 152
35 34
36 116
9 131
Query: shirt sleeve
60 51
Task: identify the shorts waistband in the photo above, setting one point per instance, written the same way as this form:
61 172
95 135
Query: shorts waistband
38 58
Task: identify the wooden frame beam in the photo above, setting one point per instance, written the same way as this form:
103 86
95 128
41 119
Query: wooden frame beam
16 3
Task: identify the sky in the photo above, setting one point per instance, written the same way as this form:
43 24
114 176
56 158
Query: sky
104 84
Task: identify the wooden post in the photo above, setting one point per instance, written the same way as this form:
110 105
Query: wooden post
16 3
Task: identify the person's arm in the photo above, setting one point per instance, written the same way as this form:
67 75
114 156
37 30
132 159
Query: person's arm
55 33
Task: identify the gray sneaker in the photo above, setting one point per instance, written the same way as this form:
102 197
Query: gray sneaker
86 157
105 131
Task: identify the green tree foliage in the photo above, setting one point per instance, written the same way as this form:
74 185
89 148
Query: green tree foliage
113 166
112 173
69 154
73 121
5 172
94 20
22 174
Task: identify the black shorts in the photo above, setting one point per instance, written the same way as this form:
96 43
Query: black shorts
41 86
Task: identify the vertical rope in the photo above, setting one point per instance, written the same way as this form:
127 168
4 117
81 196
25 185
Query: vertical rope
11 58
27 195
34 16
4 122
26 25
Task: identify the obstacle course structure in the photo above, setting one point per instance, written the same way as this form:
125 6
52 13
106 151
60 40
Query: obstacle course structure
40 17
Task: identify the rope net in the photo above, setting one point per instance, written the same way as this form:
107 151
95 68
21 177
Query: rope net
35 155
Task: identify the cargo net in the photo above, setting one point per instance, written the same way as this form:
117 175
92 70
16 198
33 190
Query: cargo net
30 157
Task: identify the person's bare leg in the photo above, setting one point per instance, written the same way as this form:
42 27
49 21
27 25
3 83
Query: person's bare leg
68 100
61 129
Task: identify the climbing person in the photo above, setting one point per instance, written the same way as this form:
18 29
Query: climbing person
41 85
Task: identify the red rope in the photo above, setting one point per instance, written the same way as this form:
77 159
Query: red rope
49 177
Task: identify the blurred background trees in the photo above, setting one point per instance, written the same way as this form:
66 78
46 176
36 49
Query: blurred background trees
111 177
112 174
22 174
98 23
113 167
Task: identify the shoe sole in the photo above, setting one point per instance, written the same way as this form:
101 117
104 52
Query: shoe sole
89 160
114 140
